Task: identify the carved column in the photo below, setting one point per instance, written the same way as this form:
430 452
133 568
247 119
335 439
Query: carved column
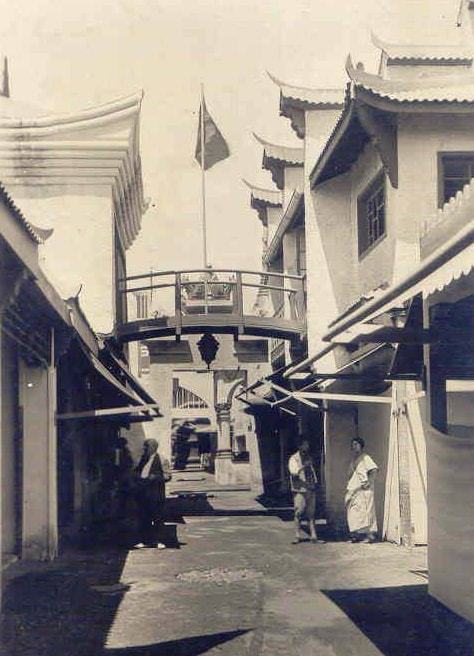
223 463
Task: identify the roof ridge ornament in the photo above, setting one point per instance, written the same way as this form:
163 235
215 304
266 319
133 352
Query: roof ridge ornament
296 87
261 141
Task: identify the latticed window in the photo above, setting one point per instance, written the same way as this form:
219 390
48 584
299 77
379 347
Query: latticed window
371 215
457 170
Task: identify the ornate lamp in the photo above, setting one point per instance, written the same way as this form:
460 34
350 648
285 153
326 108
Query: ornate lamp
208 347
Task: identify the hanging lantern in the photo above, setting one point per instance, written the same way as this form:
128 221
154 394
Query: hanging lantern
208 347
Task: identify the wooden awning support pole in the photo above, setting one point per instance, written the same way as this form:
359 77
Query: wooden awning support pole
104 412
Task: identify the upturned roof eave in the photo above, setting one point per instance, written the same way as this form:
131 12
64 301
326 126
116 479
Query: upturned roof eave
359 92
110 110
451 52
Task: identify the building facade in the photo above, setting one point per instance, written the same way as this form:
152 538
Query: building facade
65 386
387 184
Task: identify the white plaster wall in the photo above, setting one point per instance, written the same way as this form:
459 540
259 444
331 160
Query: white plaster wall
376 265
158 384
330 267
339 428
374 428
39 464
450 521
329 230
416 419
461 413
420 139
319 125
81 248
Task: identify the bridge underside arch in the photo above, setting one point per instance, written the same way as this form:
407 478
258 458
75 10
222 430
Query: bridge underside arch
269 327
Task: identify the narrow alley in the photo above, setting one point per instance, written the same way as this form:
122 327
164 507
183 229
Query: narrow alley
230 582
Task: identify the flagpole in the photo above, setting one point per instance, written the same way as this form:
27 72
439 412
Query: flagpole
203 183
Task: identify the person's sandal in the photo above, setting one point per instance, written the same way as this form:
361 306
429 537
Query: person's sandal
297 541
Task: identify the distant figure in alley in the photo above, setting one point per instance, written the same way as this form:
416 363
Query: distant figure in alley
124 465
303 485
152 474
360 495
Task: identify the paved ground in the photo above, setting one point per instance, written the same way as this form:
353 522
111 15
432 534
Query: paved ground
230 585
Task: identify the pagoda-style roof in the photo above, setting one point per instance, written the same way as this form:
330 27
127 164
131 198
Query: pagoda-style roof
452 52
94 147
276 158
294 101
456 88
371 106
261 199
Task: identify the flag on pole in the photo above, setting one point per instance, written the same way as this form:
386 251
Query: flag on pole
215 146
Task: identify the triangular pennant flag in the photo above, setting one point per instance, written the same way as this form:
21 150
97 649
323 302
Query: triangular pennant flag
215 146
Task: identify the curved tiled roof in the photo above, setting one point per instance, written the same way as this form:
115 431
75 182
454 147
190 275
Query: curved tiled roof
310 97
38 235
457 88
425 52
285 154
105 138
270 197
276 158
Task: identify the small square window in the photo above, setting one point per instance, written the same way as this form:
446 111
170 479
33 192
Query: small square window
371 214
457 170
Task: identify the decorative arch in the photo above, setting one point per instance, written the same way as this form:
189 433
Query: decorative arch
185 399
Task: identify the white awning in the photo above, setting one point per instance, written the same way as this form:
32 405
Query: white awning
450 262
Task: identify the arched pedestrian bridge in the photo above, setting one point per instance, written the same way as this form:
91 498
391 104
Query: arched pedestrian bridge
242 302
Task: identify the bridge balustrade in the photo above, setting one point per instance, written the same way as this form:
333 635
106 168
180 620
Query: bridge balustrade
176 299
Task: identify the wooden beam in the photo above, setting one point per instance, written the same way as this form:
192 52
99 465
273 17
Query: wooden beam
352 398
399 395
104 412
310 404
178 310
370 333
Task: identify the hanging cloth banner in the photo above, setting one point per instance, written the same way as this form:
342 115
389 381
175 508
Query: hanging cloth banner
215 146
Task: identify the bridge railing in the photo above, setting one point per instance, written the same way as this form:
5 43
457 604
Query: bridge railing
214 291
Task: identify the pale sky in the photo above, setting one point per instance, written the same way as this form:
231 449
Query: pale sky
66 55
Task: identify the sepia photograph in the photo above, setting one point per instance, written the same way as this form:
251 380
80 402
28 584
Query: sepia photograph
237 328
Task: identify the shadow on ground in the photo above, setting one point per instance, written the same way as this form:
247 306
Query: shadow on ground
198 504
183 647
405 620
56 610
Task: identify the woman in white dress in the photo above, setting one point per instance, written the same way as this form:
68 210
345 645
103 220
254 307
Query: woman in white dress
360 497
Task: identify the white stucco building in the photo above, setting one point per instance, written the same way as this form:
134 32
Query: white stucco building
387 188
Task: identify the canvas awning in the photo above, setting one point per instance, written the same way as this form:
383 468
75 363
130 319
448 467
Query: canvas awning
448 263
133 382
135 410
452 261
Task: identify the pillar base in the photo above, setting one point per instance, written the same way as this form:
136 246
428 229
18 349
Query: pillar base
223 467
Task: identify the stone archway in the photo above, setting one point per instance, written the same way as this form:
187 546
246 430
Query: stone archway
226 385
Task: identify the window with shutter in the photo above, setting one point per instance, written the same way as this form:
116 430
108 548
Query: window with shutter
371 221
456 170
